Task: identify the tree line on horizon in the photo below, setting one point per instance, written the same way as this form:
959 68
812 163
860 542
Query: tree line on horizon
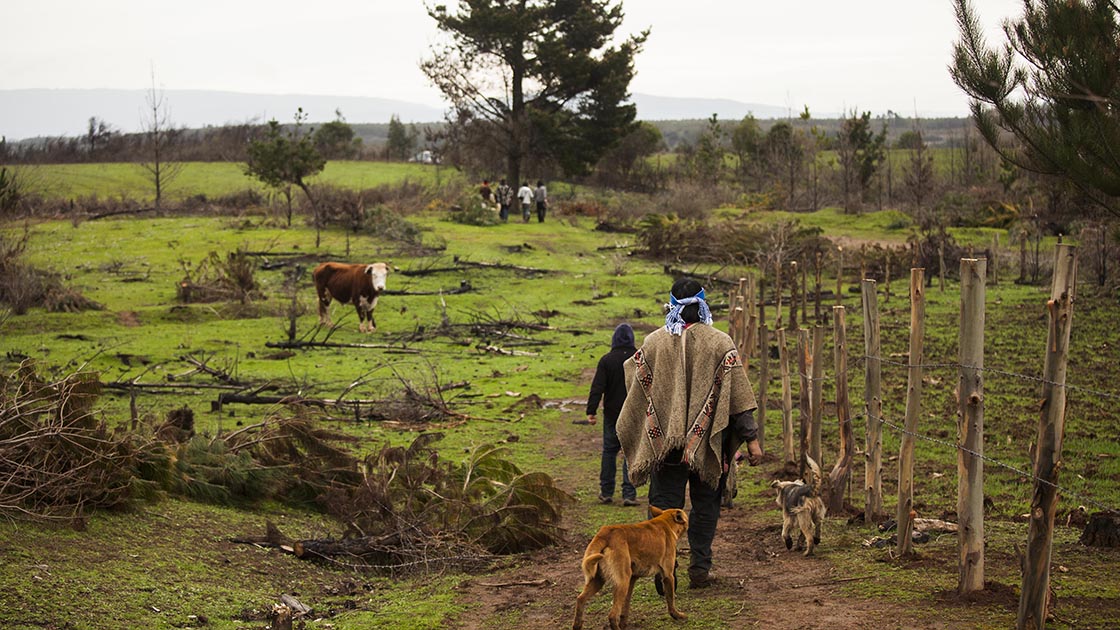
541 87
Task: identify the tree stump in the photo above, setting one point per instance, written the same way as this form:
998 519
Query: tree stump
1102 530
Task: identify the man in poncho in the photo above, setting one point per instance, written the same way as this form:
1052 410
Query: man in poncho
689 406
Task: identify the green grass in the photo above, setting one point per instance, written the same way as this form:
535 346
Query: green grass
167 556
212 179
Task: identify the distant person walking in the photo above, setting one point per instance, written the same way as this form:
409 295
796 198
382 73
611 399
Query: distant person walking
540 195
525 196
505 199
485 191
609 385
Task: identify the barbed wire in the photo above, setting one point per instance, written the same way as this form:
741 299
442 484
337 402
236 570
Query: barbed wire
1065 491
1027 377
857 361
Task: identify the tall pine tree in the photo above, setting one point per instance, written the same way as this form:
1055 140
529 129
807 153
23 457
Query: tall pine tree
544 76
1054 86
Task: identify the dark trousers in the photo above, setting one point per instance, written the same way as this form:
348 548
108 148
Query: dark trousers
541 208
666 490
504 212
608 468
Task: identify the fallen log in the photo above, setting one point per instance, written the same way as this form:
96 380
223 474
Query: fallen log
116 213
126 386
489 265
331 344
291 399
541 582
512 353
272 538
430 271
464 287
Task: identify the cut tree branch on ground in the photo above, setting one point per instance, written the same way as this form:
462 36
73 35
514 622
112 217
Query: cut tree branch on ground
541 582
115 213
512 353
169 387
202 365
430 271
489 265
464 287
331 344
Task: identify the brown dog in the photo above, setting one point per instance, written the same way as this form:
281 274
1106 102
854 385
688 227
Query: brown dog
620 554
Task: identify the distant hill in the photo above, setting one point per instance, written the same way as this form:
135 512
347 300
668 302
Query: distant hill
651 107
41 112
66 112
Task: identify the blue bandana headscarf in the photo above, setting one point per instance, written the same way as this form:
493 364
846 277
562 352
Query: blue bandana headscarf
673 321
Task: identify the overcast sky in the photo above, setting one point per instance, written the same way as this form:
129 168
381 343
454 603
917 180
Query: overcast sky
830 55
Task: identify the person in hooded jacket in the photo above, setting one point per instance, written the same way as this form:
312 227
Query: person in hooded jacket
609 385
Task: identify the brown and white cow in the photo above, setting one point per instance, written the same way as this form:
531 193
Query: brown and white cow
359 285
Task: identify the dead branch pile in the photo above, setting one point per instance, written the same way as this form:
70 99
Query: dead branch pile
57 460
217 279
413 511
23 286
403 509
413 403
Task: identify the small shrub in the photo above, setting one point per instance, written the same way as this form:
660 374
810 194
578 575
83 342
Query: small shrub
473 211
23 287
217 279
691 200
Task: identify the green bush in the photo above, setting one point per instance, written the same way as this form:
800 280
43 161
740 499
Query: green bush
473 211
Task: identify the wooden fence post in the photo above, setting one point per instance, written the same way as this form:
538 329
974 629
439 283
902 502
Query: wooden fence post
839 276
873 406
804 299
763 381
787 400
970 428
762 298
941 263
736 314
842 471
817 297
904 516
793 301
816 391
778 294
1051 431
750 323
887 281
804 364
993 262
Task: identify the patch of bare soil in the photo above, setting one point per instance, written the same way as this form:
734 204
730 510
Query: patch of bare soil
779 589
128 319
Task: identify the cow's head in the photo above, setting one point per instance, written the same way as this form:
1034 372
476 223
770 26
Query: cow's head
377 273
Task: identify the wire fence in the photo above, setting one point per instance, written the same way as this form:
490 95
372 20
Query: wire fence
1065 491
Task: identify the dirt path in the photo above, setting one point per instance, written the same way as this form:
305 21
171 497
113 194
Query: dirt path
776 589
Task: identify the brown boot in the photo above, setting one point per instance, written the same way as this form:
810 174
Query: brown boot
699 579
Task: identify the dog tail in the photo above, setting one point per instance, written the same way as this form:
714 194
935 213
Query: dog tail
816 479
591 566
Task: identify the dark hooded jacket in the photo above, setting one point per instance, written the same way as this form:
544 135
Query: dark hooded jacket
609 384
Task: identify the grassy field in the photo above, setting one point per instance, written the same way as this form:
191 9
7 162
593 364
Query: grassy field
170 564
212 179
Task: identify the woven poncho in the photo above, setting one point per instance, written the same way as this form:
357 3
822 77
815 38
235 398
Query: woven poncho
681 389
